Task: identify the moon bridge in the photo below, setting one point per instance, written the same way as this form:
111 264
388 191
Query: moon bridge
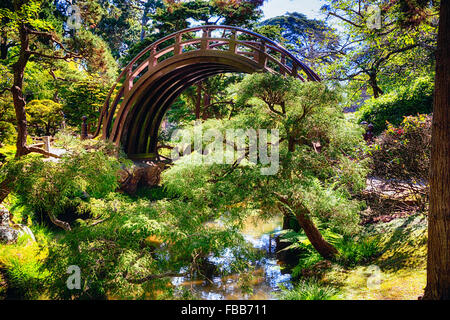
149 84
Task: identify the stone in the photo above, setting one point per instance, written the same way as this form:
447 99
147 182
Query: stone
141 174
152 176
26 230
8 235
4 216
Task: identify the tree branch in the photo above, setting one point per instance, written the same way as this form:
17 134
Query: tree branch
42 151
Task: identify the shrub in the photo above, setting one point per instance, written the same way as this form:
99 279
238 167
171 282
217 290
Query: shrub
7 133
23 263
402 155
310 289
51 188
354 251
394 106
45 117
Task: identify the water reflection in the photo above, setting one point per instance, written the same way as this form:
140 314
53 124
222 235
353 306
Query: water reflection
267 275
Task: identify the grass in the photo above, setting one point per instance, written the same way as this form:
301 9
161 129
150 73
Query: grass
401 264
388 262
310 289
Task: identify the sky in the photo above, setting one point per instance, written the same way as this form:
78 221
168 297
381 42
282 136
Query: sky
273 8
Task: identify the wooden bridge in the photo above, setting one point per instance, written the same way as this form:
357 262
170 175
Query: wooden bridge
149 84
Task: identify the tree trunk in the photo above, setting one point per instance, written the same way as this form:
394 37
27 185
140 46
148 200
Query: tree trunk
374 85
144 20
438 262
198 103
325 249
3 46
206 103
4 189
17 93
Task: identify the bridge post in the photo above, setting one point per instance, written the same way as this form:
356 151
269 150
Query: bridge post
152 60
294 70
128 83
205 42
262 58
233 44
177 49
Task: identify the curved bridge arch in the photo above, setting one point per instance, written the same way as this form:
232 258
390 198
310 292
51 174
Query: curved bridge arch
149 84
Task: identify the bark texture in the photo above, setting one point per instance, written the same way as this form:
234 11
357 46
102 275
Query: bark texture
438 263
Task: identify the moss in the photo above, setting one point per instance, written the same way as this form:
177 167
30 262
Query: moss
401 268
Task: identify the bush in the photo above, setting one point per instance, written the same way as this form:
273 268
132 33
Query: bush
7 133
402 155
52 188
23 263
394 106
357 251
44 117
310 289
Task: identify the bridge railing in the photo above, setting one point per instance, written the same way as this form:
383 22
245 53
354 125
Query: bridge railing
266 53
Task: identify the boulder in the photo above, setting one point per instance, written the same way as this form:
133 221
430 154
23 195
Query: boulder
10 233
141 174
7 233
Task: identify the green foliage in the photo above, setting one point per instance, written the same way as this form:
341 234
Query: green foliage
354 251
52 187
44 117
84 98
26 278
312 40
138 239
7 132
7 118
393 107
176 15
380 57
310 289
23 263
320 183
97 55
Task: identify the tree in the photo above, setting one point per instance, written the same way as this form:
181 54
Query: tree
37 35
45 116
312 40
316 177
84 97
37 38
438 263
371 53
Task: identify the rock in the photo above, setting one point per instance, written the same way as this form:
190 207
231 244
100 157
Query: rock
152 175
25 230
8 235
4 216
129 180
146 174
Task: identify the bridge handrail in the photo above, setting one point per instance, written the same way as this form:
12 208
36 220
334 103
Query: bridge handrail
129 69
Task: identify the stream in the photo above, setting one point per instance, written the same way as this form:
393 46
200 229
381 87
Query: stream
267 275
